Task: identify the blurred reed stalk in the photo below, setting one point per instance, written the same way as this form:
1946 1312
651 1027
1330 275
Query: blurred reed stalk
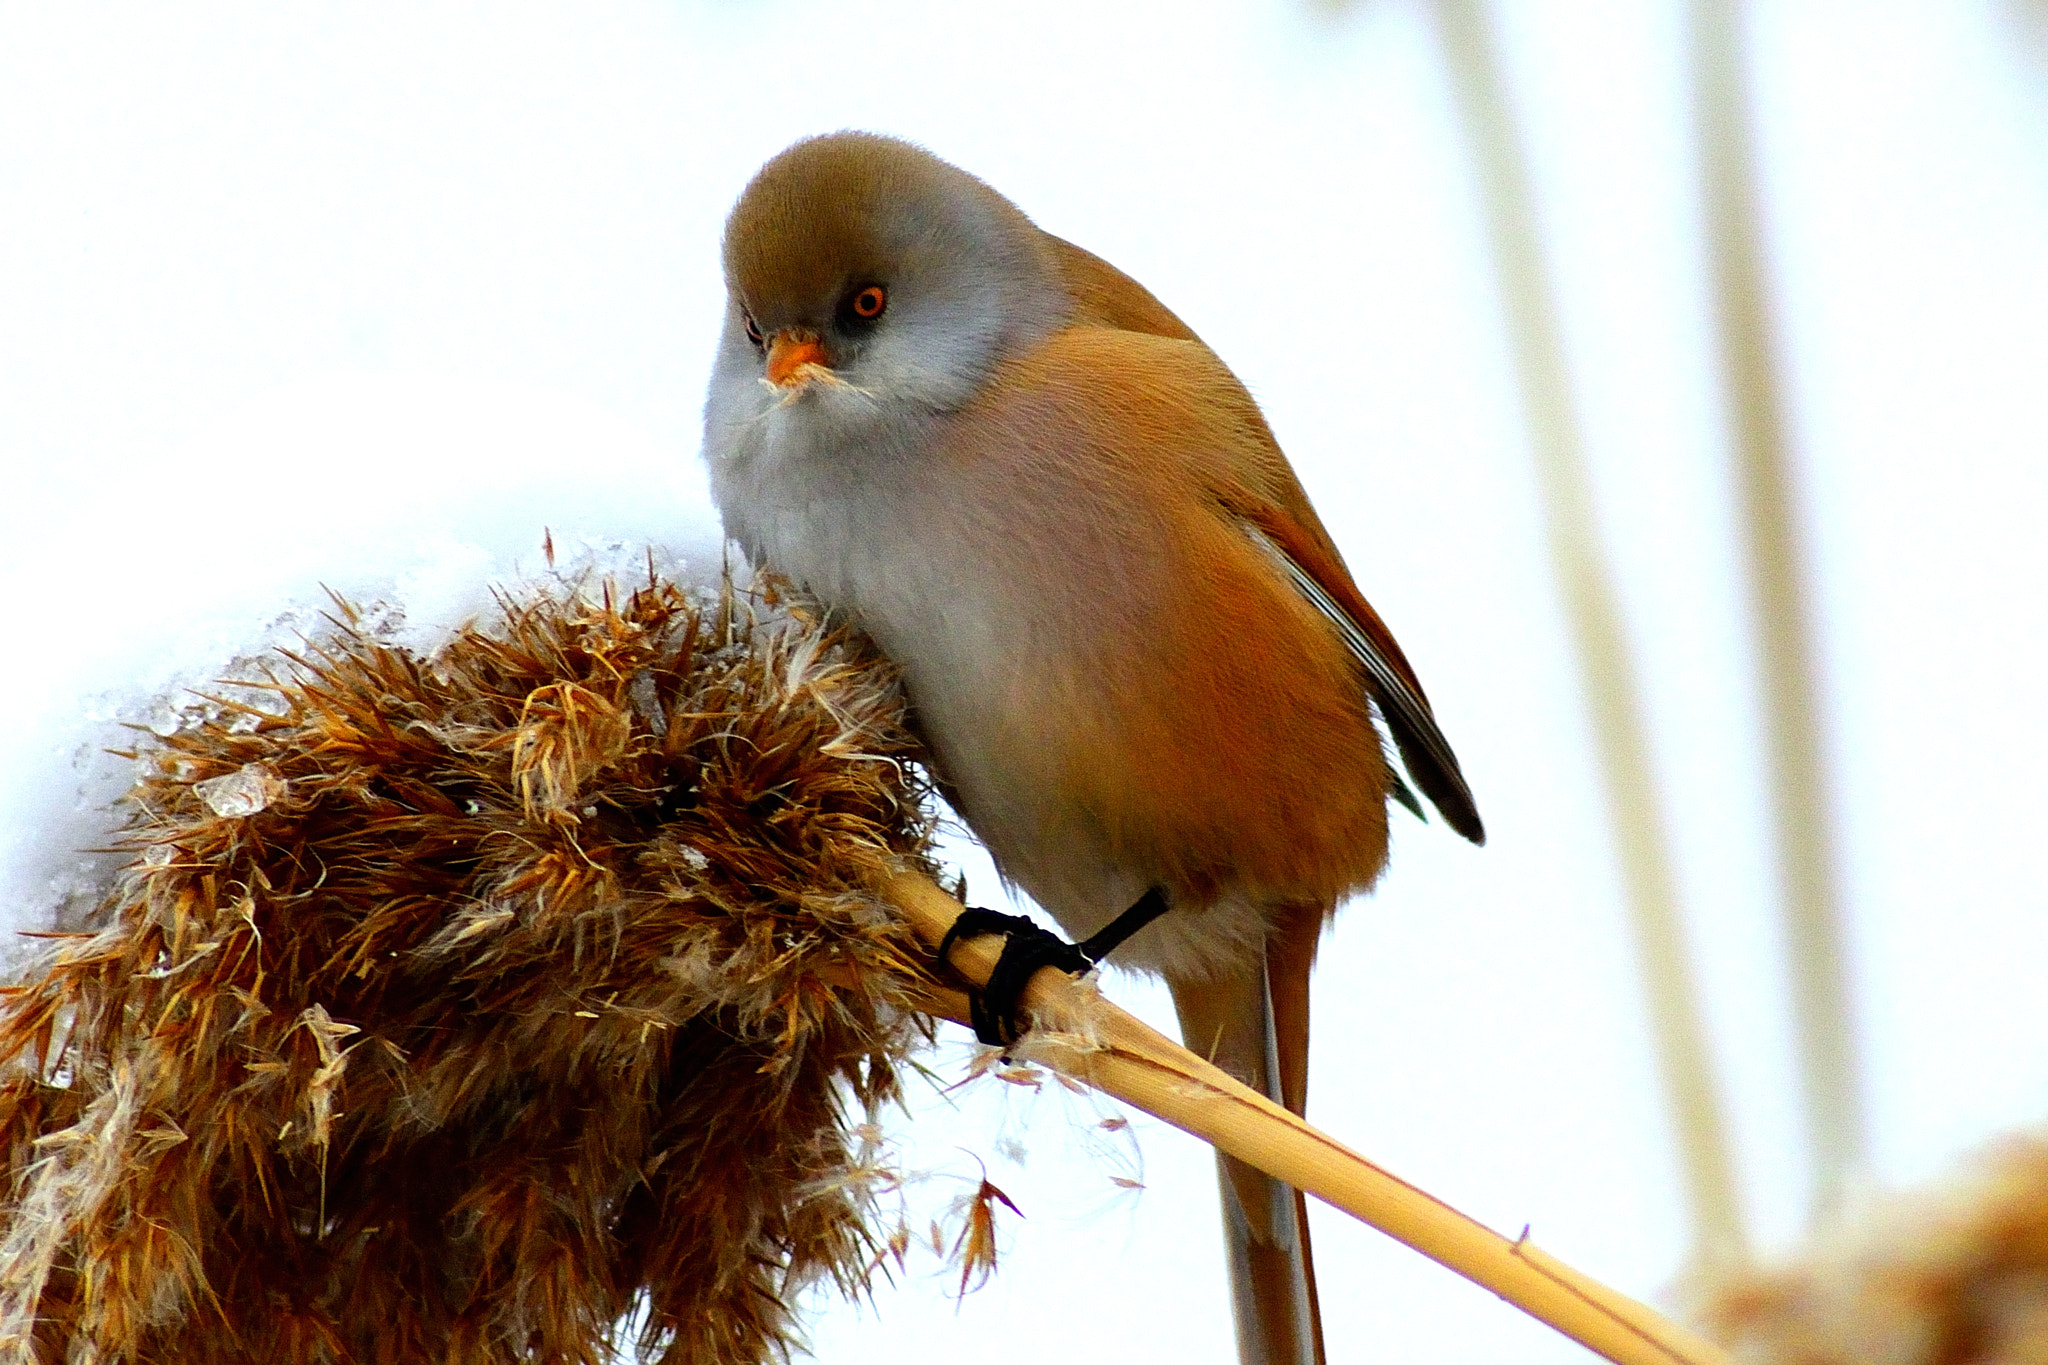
1593 610
1776 558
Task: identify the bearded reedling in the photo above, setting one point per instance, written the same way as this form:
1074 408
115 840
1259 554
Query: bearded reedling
1144 674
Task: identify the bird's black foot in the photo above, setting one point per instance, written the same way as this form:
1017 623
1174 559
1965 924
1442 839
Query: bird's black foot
995 1010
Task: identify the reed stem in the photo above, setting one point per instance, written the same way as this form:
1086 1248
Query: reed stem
1593 612
1088 1038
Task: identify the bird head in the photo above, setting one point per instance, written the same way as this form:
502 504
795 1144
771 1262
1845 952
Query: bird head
865 276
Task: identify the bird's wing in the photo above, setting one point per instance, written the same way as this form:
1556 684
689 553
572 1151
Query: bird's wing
1230 453
1320 578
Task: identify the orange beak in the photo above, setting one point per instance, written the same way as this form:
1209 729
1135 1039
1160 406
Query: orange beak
789 352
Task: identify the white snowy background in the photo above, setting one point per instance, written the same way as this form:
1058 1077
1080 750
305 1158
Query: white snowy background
366 294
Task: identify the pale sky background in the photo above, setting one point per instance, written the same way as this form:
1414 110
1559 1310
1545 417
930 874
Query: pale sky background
366 294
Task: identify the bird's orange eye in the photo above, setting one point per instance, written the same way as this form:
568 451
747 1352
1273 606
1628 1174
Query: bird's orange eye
870 302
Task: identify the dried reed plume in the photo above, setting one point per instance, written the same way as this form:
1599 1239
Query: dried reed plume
1956 1275
463 1008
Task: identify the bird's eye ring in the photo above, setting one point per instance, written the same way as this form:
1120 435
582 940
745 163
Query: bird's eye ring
753 332
869 302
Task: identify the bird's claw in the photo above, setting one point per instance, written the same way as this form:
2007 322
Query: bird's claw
995 1009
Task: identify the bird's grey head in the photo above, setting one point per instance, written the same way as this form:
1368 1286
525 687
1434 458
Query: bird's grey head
868 285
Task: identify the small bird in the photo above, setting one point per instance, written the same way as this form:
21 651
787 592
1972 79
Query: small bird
1144 675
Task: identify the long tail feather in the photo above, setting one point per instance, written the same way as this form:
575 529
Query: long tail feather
1257 1029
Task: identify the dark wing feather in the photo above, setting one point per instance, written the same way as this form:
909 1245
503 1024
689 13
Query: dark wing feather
1424 750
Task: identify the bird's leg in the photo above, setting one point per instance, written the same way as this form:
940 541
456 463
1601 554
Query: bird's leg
1113 935
994 1009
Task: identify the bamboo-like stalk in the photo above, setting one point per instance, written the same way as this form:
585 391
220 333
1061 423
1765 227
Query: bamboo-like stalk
1808 885
1088 1038
1634 809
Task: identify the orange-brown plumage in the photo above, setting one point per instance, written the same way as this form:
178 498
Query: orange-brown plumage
1215 691
1135 652
1106 297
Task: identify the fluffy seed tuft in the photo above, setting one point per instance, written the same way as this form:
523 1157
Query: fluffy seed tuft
467 1007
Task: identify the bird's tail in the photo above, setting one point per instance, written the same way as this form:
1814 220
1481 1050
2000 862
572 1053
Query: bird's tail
1257 1029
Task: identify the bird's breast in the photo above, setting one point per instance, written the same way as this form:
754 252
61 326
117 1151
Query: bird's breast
1115 683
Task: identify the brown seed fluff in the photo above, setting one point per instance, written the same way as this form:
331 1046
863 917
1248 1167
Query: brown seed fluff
471 1005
